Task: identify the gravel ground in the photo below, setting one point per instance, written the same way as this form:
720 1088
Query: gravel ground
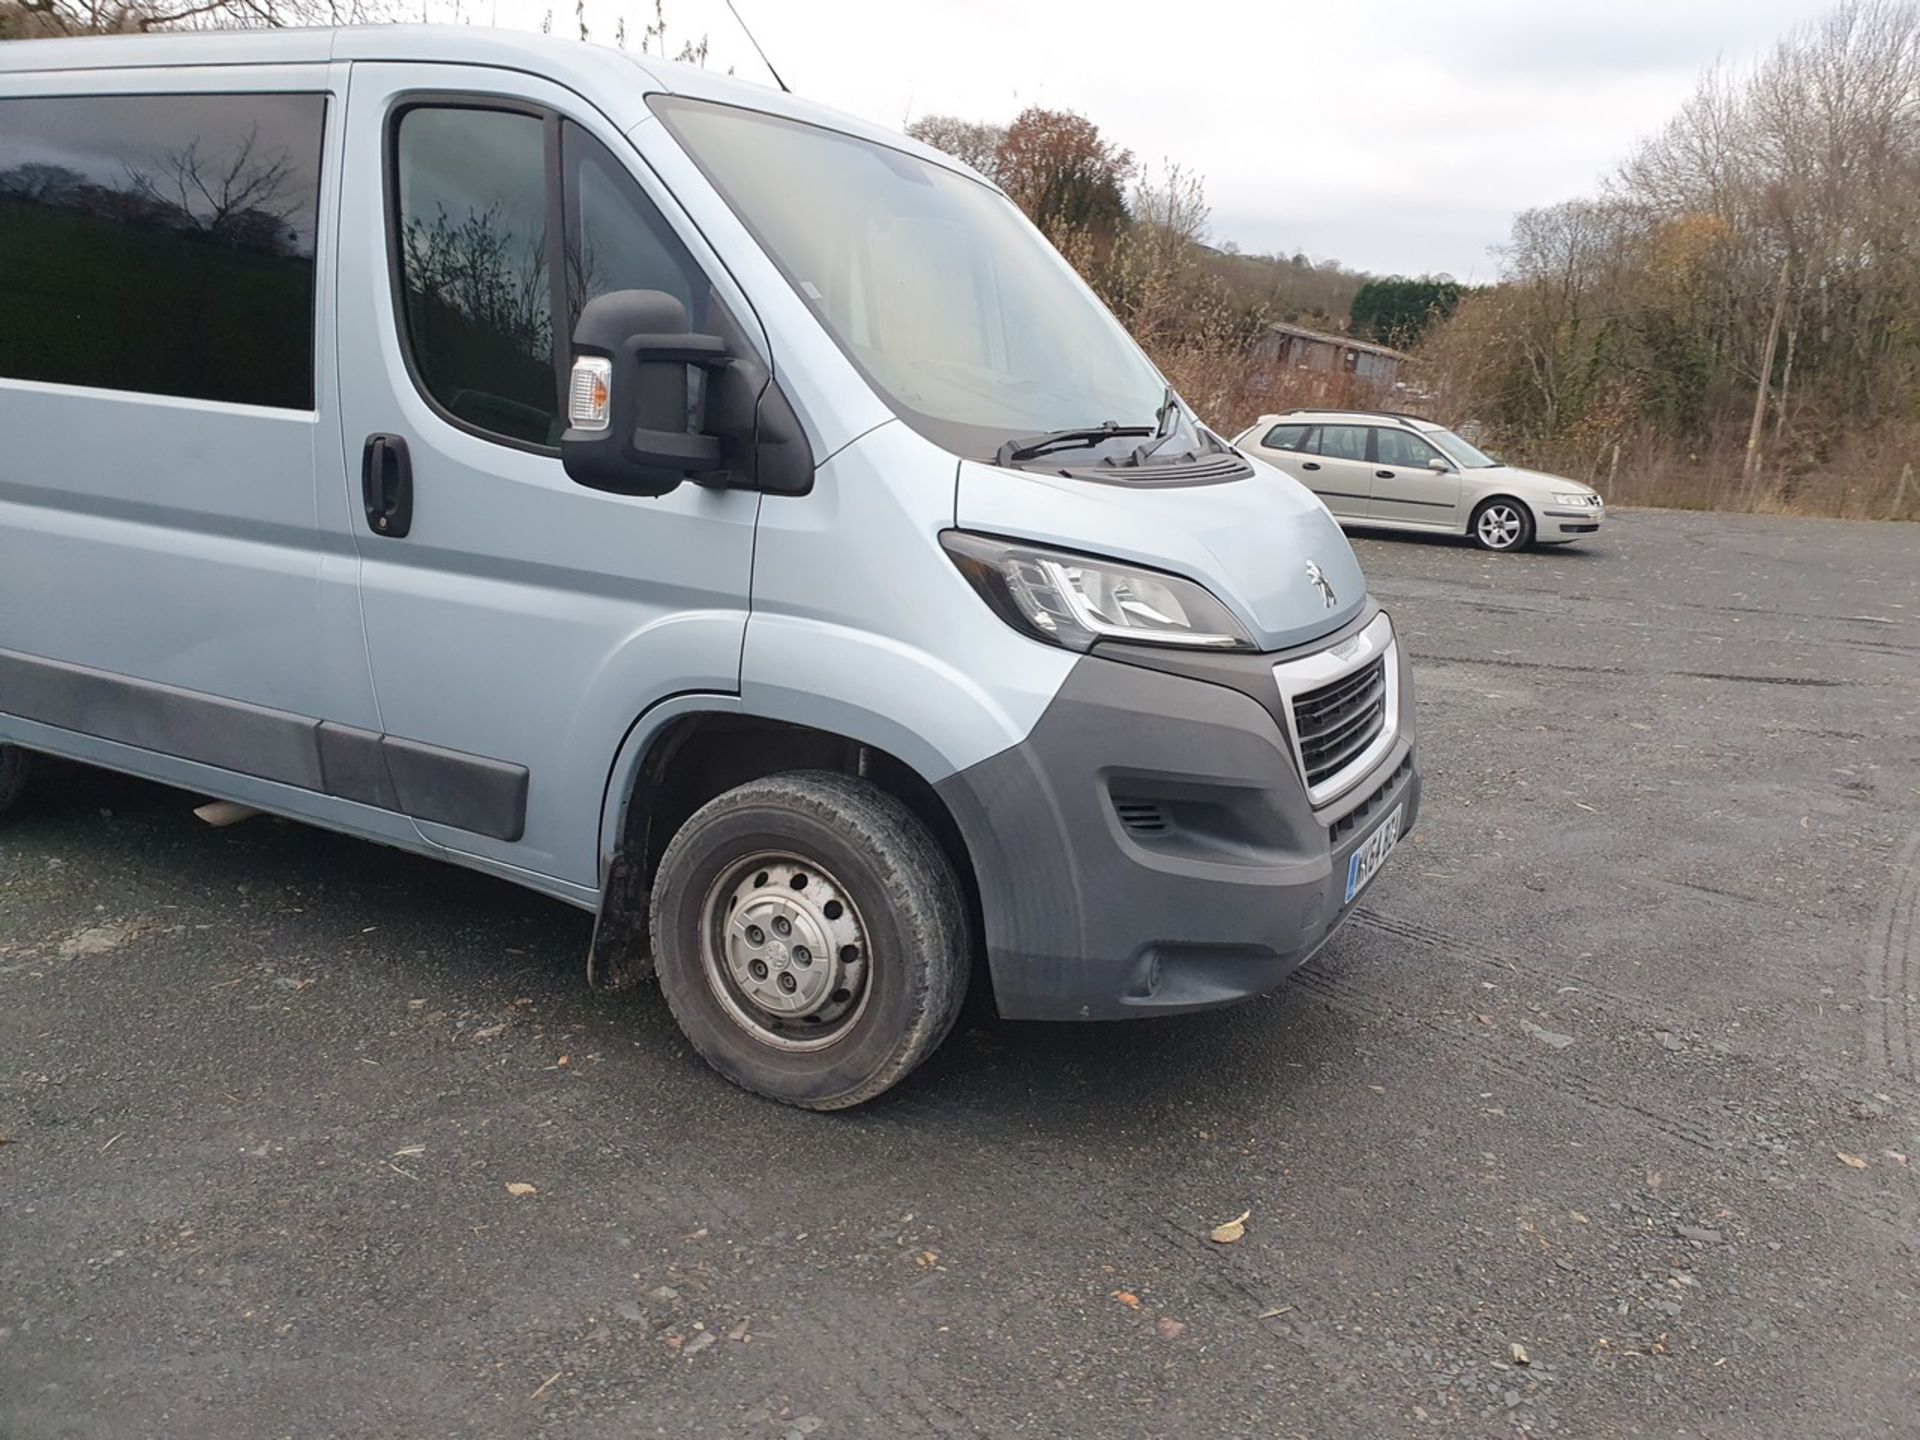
1596 1122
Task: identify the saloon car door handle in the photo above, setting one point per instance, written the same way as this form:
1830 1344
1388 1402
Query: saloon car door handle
386 485
1311 465
1383 474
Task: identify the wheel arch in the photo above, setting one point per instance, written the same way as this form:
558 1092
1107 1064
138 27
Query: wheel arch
691 748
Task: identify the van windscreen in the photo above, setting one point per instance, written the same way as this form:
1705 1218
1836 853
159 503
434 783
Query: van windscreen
959 314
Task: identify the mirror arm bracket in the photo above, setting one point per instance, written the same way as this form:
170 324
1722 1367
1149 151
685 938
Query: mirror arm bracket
707 351
684 448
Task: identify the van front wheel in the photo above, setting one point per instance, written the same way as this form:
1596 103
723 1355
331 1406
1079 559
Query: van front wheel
13 775
810 938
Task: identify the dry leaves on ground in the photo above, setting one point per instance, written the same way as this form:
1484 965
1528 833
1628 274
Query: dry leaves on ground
1230 1232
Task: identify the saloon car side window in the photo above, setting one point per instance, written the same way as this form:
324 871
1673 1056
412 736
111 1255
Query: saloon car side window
1403 448
1344 442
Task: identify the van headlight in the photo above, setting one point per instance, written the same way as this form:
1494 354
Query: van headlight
1074 600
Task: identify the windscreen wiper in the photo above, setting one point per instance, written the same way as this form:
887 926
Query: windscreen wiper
1014 451
1168 412
1163 428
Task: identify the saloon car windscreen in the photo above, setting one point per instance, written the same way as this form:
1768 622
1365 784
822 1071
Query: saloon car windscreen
1459 451
963 318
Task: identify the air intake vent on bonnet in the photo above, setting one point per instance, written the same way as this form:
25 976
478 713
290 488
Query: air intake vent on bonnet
1189 470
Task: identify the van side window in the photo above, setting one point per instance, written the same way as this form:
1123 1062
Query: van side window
616 238
1285 437
471 216
161 244
1403 448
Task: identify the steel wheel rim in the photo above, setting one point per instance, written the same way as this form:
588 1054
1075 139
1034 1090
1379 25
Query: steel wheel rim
1500 526
785 952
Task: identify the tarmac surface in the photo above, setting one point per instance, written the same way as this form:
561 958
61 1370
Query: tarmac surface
1602 1118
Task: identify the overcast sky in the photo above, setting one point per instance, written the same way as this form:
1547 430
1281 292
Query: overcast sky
1393 135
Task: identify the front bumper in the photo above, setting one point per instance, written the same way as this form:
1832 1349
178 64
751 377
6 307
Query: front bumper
1559 522
1150 848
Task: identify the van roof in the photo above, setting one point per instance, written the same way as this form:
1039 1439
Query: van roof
581 67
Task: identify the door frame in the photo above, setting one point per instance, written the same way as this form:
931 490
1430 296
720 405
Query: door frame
632 652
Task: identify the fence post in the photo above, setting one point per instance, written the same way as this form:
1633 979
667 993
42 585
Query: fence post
1900 493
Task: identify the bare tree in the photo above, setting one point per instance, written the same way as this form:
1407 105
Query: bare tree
1067 176
219 197
480 269
972 142
25 19
653 40
1756 259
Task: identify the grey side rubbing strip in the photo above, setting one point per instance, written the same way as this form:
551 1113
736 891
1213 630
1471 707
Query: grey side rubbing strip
354 766
426 782
232 734
468 792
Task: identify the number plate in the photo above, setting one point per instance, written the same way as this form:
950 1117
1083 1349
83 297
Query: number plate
1366 861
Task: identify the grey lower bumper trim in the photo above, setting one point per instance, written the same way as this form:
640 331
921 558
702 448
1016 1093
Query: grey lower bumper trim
426 782
1149 848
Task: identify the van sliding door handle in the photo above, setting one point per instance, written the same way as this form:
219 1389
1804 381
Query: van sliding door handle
386 485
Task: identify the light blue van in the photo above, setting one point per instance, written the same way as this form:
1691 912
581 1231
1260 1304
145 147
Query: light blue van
711 510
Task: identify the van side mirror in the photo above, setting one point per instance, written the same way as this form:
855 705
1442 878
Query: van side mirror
629 425
636 426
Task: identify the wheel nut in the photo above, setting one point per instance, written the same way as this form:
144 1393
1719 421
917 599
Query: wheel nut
755 935
782 926
758 969
786 984
802 955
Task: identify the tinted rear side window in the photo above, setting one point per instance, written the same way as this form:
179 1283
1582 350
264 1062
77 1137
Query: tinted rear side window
474 275
1285 437
161 243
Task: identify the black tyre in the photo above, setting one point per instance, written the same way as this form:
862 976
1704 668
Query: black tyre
810 938
1502 523
14 763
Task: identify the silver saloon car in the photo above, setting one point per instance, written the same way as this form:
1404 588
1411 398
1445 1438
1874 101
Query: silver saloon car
1399 472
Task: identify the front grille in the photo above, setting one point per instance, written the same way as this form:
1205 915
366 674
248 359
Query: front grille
1369 807
1336 722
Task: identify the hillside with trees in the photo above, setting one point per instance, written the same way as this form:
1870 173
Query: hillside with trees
1141 238
1733 321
